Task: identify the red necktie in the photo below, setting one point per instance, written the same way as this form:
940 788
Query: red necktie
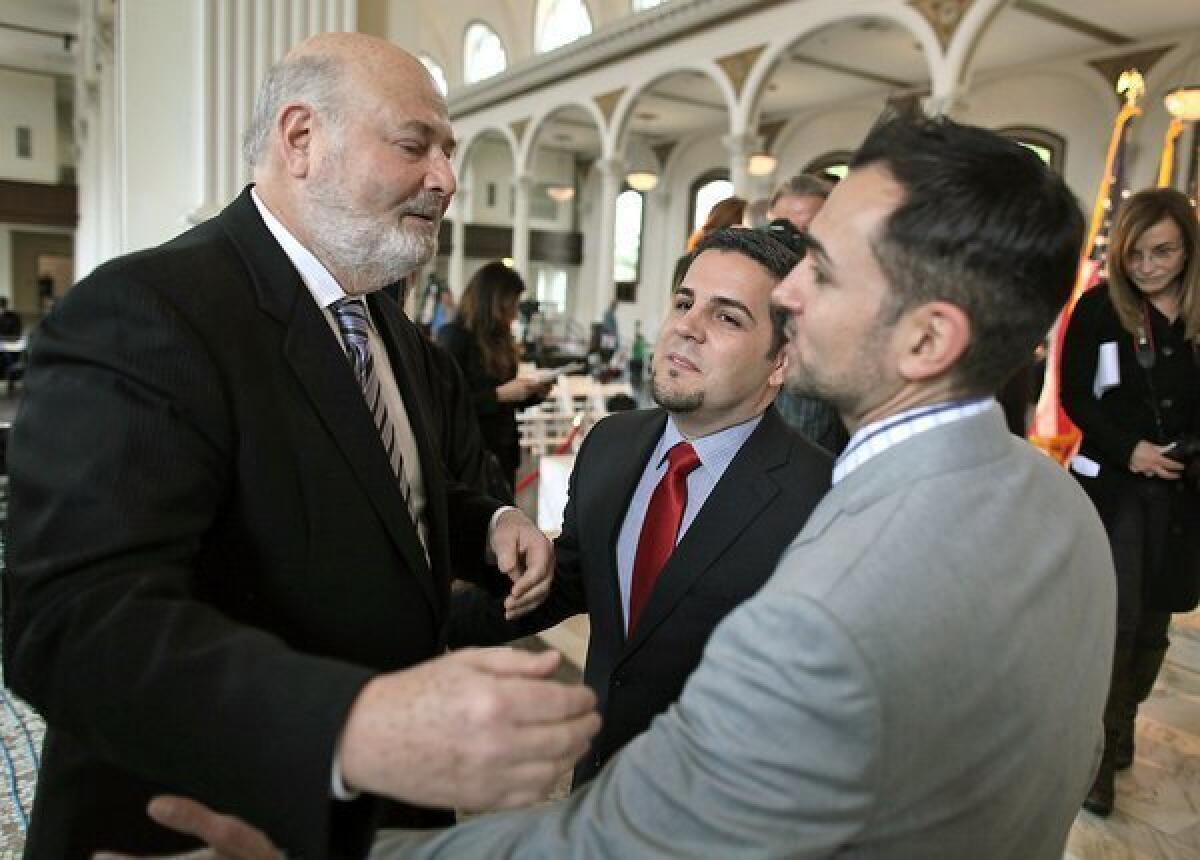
660 529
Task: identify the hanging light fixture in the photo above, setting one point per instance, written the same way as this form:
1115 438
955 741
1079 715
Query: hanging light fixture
761 164
642 180
560 193
1184 103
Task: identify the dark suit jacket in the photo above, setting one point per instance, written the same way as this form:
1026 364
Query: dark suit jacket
208 553
728 552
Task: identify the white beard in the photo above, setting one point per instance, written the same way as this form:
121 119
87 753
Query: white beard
375 249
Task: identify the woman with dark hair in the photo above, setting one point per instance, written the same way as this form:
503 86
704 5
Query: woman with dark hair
480 339
1131 382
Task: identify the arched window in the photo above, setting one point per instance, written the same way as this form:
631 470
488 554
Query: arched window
1048 146
832 164
708 190
627 237
435 71
560 22
483 53
642 5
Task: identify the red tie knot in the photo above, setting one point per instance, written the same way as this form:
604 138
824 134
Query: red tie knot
682 459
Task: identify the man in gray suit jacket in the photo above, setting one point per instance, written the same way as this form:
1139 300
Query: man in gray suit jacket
923 675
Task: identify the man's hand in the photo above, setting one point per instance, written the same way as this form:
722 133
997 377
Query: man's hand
1148 459
476 729
228 838
526 556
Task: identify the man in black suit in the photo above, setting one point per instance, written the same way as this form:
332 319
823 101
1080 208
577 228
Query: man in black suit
230 513
718 365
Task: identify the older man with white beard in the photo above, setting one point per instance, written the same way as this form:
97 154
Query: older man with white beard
230 521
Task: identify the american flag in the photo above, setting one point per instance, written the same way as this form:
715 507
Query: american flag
1052 430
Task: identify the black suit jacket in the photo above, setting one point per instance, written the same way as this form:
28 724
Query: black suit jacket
208 553
728 552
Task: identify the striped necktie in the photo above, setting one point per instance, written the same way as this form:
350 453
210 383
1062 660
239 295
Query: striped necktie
351 315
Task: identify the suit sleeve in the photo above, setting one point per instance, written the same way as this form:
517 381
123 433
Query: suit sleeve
1081 349
772 750
120 463
477 618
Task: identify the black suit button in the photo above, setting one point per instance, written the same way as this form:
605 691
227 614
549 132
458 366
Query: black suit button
616 682
1167 403
1168 351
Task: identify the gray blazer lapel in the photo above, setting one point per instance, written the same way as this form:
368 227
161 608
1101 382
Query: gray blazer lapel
743 491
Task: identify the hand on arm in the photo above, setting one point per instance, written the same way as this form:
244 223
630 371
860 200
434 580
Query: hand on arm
524 555
476 729
227 838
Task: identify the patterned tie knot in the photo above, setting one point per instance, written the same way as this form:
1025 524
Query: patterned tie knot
682 459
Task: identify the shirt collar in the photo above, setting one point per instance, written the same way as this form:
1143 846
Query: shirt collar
321 284
873 439
716 450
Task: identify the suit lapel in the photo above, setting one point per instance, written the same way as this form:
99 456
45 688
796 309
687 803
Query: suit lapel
312 350
743 491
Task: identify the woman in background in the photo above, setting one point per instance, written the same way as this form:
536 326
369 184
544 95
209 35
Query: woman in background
1131 383
725 213
480 339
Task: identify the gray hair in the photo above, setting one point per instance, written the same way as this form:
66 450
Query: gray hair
802 185
315 80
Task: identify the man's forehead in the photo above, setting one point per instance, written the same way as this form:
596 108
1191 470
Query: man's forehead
718 273
858 205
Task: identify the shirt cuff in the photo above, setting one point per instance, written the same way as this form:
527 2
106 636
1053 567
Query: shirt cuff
488 555
336 786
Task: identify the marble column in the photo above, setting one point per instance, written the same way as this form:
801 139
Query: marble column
612 174
523 186
459 212
740 147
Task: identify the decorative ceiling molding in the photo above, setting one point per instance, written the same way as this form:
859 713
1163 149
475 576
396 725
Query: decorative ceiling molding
852 71
769 131
607 102
628 36
1070 22
737 66
662 151
943 15
1143 61
518 127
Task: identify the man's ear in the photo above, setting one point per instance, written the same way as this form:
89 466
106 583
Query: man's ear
779 367
932 339
295 138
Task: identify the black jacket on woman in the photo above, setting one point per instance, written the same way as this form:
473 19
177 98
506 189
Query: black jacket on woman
497 421
1113 424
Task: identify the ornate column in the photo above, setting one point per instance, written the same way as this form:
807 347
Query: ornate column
458 239
238 42
612 174
98 237
523 186
740 147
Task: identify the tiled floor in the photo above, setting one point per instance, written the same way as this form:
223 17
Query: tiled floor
1158 801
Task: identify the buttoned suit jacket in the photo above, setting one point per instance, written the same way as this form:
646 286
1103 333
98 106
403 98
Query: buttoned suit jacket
763 498
208 553
923 676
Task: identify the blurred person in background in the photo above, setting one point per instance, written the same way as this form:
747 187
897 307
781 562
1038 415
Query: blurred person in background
725 213
480 339
1131 383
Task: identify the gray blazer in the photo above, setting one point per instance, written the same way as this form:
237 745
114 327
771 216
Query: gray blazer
923 676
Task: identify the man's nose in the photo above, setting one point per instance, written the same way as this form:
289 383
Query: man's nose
440 176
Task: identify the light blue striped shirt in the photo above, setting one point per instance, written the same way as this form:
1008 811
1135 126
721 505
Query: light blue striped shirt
716 451
873 439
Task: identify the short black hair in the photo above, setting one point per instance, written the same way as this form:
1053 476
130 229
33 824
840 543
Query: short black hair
985 225
772 253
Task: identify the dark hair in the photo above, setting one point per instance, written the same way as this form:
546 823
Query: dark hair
774 255
480 310
985 226
1137 215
